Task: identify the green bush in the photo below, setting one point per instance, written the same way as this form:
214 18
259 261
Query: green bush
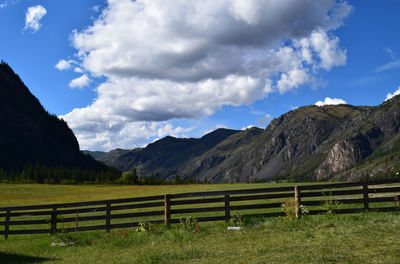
145 227
330 205
190 224
236 220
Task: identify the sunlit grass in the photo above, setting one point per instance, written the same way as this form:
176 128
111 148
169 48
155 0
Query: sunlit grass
362 238
28 194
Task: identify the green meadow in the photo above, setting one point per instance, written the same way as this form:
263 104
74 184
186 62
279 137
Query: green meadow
357 238
30 194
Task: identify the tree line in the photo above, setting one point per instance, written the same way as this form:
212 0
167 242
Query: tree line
39 173
44 174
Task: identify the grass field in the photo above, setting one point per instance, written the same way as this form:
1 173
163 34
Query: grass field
29 194
360 238
363 238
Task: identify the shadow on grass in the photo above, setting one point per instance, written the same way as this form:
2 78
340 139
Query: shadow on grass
15 258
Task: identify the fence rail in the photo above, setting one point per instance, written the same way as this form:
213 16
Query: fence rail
207 206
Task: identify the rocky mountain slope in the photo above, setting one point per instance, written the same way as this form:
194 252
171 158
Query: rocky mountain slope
164 157
310 143
30 135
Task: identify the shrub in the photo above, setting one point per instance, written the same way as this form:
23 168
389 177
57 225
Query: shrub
190 224
330 205
145 227
289 207
236 220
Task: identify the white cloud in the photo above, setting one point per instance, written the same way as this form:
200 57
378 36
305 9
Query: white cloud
186 59
248 127
326 48
330 101
395 63
33 16
78 70
113 132
388 66
96 8
391 95
80 82
7 3
64 64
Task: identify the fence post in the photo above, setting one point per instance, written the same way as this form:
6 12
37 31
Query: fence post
227 208
167 209
366 198
53 221
7 224
297 201
108 216
76 223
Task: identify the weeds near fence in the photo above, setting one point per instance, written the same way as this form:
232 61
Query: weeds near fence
236 220
289 208
145 227
190 224
330 205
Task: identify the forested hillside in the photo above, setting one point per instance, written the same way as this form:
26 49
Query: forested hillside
36 145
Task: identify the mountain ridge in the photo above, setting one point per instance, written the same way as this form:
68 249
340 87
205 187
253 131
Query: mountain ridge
308 143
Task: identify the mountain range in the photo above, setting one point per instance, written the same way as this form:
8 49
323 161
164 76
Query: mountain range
332 142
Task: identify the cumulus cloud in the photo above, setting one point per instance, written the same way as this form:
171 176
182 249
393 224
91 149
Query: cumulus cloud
64 64
330 101
391 95
78 70
80 82
185 59
33 16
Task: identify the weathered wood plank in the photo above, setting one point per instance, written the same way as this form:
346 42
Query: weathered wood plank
261 197
227 208
197 210
384 190
140 214
108 216
233 192
197 201
333 193
82 204
24 222
137 206
255 206
167 209
7 224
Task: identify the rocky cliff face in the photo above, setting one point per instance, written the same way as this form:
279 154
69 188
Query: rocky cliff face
361 137
289 146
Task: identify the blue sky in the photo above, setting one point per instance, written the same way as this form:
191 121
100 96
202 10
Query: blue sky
124 73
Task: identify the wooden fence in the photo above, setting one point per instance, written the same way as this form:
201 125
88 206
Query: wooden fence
204 206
